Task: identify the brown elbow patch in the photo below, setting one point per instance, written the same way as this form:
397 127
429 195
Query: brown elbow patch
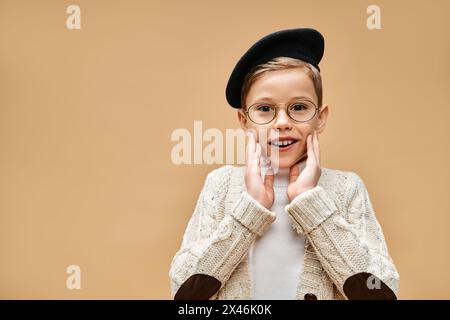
198 287
366 286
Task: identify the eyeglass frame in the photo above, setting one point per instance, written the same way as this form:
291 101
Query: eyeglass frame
316 110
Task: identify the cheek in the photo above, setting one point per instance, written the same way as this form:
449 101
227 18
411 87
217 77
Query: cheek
303 130
262 133
263 139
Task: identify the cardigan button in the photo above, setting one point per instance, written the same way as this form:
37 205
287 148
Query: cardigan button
310 296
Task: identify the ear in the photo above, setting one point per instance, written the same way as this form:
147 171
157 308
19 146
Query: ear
242 118
323 116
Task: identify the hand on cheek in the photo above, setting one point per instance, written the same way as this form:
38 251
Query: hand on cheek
300 182
261 190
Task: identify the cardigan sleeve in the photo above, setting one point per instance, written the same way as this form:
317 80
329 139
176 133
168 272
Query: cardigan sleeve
212 247
349 241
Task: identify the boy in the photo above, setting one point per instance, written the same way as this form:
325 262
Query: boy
306 232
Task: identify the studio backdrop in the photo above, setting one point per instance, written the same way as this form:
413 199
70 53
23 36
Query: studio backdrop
95 95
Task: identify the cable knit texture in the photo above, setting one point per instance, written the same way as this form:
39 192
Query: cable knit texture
343 236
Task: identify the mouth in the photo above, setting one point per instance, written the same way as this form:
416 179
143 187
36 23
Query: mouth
283 144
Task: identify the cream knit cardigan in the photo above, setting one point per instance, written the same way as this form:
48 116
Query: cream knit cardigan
343 236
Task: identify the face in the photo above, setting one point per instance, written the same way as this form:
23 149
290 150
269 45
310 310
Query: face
280 87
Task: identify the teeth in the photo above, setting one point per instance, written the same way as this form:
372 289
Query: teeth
282 143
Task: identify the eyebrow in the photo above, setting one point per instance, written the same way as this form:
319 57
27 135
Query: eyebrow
270 99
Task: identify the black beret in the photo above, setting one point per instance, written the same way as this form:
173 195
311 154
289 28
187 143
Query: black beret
301 43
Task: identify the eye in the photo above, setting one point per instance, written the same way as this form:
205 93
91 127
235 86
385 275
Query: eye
264 108
298 107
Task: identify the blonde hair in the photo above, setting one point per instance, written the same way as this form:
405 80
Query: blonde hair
280 63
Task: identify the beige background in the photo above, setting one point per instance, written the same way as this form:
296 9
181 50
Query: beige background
86 116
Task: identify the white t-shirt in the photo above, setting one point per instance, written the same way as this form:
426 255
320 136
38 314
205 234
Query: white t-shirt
276 258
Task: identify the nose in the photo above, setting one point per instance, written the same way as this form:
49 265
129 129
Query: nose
282 120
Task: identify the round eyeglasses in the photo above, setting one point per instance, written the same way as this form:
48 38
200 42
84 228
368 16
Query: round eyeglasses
299 111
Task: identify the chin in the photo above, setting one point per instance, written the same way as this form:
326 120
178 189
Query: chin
285 160
285 163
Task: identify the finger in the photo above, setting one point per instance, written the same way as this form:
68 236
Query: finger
247 152
294 172
313 144
268 179
311 156
250 150
265 161
252 141
316 146
258 157
258 150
